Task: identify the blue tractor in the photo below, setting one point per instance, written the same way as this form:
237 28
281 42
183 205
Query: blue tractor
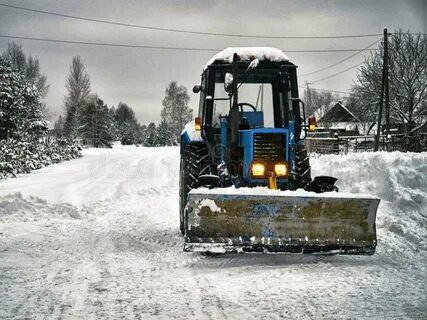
245 177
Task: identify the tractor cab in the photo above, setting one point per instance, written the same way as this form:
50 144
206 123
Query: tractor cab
251 115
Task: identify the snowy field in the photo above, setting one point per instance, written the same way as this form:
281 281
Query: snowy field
98 238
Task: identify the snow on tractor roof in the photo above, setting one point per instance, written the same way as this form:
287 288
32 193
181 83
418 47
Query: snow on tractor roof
249 53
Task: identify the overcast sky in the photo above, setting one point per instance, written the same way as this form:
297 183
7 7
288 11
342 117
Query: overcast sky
139 76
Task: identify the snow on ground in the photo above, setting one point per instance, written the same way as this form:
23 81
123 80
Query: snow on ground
115 251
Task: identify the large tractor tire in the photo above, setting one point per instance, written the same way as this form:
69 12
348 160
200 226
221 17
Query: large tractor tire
194 162
302 167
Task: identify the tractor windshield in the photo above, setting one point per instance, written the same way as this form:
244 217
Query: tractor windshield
260 98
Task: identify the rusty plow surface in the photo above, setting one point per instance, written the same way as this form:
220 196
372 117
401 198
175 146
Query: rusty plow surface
266 223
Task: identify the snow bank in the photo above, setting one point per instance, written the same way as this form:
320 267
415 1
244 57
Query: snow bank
249 53
398 179
15 207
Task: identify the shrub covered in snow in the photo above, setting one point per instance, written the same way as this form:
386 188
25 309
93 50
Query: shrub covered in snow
23 132
24 155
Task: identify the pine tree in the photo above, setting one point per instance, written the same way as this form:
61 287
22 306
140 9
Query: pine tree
95 123
142 129
20 110
114 130
163 135
176 112
78 86
150 135
29 67
23 143
127 125
58 127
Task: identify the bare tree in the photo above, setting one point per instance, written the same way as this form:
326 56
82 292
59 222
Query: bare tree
315 99
78 86
176 112
407 79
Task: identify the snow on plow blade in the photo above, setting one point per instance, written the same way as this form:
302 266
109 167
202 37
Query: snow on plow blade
299 222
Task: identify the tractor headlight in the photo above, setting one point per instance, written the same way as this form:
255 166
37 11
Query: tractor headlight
258 169
281 169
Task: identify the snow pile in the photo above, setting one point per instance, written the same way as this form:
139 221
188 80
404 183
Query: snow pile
14 207
264 191
249 53
398 179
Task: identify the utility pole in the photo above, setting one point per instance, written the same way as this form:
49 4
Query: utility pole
380 106
387 103
308 97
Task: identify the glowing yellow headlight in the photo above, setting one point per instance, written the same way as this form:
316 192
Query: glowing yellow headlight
258 169
281 169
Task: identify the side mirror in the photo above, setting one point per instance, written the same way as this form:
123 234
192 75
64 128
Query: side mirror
312 124
228 81
197 88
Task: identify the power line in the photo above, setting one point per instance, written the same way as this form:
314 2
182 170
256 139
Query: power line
338 73
184 31
336 91
107 44
322 89
341 61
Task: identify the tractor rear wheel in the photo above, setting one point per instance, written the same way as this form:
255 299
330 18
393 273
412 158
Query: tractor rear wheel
302 167
194 162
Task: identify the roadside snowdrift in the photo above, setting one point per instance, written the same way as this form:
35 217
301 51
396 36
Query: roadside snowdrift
14 207
398 179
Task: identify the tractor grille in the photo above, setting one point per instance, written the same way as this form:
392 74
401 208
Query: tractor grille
269 146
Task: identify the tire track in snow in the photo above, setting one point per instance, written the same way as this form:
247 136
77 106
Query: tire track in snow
124 258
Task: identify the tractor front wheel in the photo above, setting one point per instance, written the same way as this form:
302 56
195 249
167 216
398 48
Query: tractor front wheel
194 162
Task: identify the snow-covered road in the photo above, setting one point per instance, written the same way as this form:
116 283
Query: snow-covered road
115 251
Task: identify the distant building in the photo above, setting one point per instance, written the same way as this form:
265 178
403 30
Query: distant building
338 119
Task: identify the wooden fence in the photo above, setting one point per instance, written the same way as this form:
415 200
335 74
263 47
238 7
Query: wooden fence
346 144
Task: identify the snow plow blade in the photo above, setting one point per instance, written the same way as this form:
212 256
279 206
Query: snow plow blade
281 222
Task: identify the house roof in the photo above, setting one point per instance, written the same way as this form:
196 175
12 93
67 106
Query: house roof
338 113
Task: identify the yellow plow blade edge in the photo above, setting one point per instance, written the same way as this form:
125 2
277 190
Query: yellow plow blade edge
280 223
